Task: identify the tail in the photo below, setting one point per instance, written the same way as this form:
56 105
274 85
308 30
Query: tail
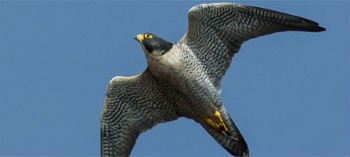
232 140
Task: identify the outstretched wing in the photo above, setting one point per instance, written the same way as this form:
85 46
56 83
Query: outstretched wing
216 31
132 105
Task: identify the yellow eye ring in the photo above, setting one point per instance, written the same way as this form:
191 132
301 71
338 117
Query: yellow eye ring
148 36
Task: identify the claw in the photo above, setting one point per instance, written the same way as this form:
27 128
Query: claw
217 123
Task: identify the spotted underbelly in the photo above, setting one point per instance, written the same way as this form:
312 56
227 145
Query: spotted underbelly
184 73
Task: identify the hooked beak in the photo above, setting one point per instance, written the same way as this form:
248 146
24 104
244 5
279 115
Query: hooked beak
139 37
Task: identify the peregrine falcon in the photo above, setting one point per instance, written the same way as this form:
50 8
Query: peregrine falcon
183 78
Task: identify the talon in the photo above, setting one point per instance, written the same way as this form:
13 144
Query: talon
217 123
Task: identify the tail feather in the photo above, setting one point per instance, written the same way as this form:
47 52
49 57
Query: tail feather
232 141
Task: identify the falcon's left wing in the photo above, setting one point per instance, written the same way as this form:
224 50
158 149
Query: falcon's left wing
216 31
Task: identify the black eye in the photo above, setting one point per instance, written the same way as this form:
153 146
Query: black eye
148 36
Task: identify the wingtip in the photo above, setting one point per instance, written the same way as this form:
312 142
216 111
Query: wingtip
321 29
317 29
310 25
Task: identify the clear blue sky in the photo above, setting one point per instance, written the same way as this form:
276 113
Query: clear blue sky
287 92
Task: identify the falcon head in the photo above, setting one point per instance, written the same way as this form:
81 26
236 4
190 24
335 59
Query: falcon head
153 44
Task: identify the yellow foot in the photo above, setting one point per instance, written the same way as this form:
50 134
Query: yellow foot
217 123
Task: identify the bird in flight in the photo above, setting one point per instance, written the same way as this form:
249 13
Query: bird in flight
183 78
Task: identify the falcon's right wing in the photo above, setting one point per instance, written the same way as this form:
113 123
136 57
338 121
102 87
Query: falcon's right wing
216 31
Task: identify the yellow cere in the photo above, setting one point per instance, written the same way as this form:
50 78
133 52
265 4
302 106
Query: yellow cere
140 37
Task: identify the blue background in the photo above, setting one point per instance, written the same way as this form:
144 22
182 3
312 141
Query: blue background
287 92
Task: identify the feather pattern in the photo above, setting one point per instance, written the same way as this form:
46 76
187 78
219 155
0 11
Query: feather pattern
216 31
